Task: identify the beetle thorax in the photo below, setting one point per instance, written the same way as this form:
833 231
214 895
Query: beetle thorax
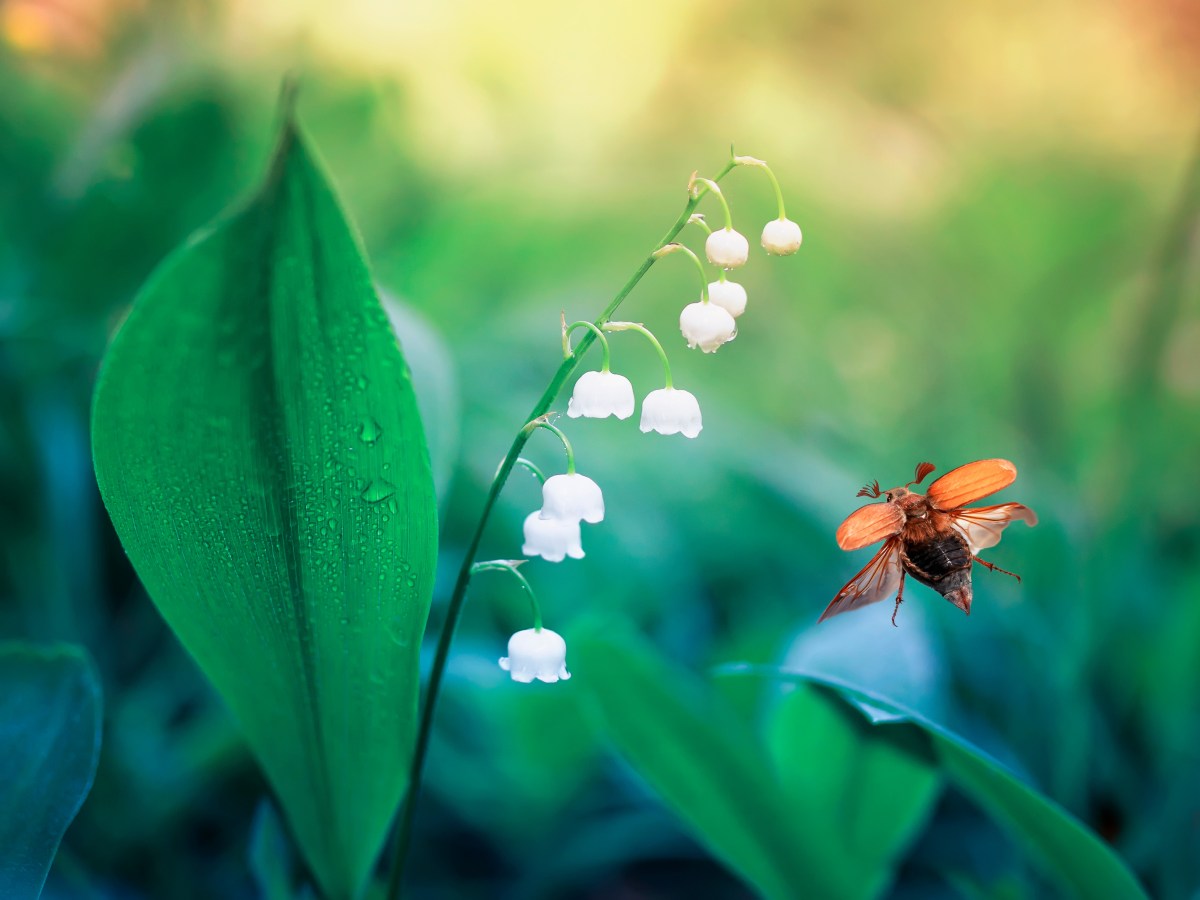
915 506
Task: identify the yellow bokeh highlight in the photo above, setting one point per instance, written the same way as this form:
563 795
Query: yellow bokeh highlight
882 105
488 81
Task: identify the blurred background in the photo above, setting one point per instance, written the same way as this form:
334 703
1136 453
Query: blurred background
1001 209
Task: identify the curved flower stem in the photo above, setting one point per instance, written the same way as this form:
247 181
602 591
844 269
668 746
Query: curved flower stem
544 422
643 330
759 164
583 323
680 248
698 219
510 565
716 189
532 468
403 830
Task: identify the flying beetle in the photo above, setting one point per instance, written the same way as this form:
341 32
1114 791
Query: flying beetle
930 536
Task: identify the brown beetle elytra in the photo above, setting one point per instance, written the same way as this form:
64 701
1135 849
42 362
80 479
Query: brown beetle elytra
930 536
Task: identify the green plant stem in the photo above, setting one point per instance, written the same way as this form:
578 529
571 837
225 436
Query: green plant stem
711 184
607 355
510 566
778 191
544 422
648 335
403 832
759 164
532 468
681 248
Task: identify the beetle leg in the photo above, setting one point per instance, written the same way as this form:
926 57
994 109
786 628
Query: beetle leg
994 568
899 598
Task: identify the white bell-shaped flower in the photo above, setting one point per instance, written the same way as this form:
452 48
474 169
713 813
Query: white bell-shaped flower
552 539
781 237
729 295
671 411
572 497
598 395
727 248
534 653
707 326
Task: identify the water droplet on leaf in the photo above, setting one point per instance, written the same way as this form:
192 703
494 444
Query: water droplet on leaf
379 489
370 431
397 632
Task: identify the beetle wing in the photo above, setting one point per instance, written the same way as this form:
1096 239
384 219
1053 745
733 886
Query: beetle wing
870 524
878 580
971 482
982 525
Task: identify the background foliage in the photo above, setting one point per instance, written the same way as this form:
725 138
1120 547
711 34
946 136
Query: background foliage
1000 214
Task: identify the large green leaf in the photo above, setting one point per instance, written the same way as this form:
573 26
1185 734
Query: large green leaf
705 763
258 446
49 745
1064 848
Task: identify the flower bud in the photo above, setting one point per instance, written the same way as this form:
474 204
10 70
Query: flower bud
598 395
781 237
572 497
534 653
671 411
729 295
552 539
727 249
707 326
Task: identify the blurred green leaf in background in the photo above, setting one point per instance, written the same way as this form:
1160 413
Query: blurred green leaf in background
50 717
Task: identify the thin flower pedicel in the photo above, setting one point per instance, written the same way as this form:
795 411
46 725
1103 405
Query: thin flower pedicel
724 247
537 652
781 236
667 410
702 324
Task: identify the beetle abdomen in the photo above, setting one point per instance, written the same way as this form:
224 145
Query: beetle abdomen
936 559
942 562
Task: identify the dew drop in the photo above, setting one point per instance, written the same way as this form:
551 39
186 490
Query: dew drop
397 632
378 490
370 431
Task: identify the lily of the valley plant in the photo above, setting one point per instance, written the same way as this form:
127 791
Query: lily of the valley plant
571 501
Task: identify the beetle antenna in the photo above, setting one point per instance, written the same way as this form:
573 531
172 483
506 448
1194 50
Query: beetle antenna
869 490
923 469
